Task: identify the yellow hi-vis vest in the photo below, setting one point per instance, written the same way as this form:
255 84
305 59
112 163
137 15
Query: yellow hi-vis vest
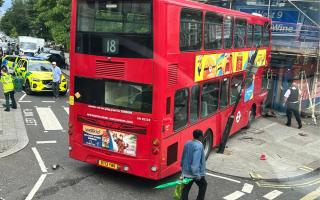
7 82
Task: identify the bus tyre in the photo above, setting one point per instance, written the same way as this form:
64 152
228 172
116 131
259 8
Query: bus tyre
207 143
251 117
27 88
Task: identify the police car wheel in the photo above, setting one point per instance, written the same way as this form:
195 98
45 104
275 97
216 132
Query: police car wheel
28 88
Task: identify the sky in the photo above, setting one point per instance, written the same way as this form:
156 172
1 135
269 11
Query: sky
5 6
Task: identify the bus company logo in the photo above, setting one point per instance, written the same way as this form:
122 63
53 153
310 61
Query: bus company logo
238 117
92 130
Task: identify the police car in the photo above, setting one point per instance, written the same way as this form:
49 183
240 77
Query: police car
37 75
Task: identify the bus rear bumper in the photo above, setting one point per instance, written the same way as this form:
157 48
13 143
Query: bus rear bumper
129 165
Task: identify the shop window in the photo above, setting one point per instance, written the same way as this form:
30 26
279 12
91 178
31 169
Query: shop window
213 31
190 30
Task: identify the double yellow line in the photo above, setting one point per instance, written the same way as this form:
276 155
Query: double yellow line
287 186
312 195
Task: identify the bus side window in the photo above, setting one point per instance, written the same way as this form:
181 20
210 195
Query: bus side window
235 88
210 98
224 93
240 33
194 104
190 30
228 32
249 35
257 39
180 108
266 34
213 31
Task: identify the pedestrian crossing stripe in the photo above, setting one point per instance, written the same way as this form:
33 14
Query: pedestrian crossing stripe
48 119
272 195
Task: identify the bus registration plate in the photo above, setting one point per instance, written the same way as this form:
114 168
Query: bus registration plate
109 165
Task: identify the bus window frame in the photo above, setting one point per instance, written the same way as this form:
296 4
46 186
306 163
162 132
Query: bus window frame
228 92
201 98
235 31
232 32
188 109
195 11
204 30
198 104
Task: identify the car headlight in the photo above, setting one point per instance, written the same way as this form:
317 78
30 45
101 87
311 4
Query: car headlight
35 79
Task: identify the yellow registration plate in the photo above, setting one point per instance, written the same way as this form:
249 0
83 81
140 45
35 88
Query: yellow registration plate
109 165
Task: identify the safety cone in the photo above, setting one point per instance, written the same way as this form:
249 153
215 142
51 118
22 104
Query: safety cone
263 157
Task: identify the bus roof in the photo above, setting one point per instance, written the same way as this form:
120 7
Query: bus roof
216 9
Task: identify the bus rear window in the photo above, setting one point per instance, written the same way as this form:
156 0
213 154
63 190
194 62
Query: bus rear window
115 94
128 96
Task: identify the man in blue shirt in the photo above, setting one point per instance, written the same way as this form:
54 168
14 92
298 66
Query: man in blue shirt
56 73
193 165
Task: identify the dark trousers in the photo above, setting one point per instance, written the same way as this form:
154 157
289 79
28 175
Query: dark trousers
55 89
13 101
202 184
293 108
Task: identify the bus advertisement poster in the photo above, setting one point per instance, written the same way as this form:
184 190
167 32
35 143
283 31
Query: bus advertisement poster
115 141
214 65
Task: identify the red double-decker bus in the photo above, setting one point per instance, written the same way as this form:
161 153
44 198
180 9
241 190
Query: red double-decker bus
145 74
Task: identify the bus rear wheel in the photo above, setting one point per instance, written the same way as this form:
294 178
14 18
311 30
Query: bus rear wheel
207 143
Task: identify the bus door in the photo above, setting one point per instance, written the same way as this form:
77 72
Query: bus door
235 88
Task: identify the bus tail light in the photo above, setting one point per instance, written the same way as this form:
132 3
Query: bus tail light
70 131
155 142
155 150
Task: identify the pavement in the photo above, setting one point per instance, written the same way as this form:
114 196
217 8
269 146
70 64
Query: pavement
13 134
270 151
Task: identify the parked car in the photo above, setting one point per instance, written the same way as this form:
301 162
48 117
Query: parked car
54 57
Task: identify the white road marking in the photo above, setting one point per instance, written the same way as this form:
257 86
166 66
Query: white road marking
66 109
36 187
48 101
48 119
23 96
25 101
234 196
273 194
268 126
47 142
247 188
225 178
39 159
